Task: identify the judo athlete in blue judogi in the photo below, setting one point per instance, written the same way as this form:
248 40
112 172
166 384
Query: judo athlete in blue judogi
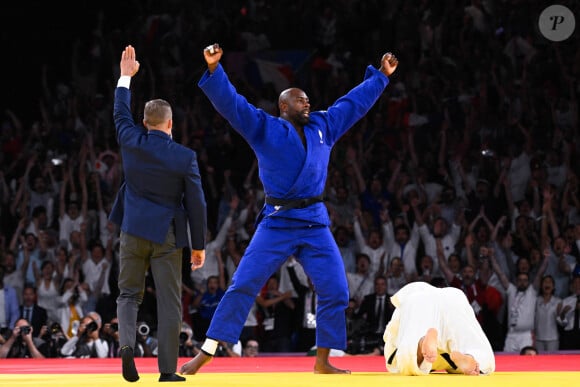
293 152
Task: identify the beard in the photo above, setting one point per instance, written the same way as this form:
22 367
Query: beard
300 118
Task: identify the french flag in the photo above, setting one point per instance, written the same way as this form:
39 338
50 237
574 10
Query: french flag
279 74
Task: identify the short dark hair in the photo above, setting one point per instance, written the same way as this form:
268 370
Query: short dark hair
528 348
38 210
361 256
403 227
524 273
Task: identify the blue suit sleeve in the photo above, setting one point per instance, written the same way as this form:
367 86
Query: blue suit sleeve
122 116
195 206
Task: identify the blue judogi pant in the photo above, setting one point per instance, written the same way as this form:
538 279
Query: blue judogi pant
314 247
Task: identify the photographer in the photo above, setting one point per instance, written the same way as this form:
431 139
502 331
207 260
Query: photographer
87 343
54 338
21 344
146 344
110 333
188 347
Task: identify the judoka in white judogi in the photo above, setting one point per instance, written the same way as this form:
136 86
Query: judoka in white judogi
439 319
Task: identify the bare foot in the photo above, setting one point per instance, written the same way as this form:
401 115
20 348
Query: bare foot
465 363
429 346
192 366
326 368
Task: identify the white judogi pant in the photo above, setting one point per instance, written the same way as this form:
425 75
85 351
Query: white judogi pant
420 306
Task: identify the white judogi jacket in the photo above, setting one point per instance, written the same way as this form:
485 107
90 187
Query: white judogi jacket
420 306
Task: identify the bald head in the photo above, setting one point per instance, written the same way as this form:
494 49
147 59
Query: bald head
294 106
285 95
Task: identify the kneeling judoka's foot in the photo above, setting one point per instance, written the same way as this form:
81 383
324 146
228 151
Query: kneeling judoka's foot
429 346
465 363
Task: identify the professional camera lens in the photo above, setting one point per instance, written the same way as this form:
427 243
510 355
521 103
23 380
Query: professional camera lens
183 337
55 328
24 330
143 329
92 326
114 327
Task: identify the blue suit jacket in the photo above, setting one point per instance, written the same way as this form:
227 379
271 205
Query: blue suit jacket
162 183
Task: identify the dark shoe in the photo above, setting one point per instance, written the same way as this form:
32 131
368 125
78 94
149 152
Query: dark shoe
129 370
171 378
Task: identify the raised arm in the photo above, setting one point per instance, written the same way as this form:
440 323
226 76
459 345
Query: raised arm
443 266
537 280
498 226
83 183
501 275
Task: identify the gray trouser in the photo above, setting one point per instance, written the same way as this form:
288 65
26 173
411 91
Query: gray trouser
136 255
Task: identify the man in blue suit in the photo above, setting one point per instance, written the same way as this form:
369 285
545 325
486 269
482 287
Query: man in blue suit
161 209
293 153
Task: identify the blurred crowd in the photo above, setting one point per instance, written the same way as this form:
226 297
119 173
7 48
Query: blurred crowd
464 174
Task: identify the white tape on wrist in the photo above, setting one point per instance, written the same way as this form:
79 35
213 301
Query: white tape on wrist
209 346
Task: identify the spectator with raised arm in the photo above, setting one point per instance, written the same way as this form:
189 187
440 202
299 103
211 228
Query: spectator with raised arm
569 317
372 245
521 306
545 325
402 242
561 264
449 235
485 300
30 252
70 215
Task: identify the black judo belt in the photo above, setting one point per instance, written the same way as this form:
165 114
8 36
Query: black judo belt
288 204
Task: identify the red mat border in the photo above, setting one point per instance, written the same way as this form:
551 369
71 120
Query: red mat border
504 363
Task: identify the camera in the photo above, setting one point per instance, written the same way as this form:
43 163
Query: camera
115 327
183 337
53 333
75 295
91 327
25 330
55 328
5 333
143 329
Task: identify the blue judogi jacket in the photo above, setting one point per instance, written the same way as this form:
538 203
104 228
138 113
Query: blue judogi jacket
287 169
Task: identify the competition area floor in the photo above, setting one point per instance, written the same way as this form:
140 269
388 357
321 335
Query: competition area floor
285 371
